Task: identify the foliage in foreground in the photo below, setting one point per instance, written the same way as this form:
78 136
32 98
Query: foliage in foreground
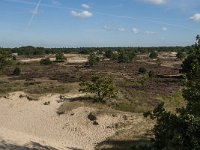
181 130
181 55
101 86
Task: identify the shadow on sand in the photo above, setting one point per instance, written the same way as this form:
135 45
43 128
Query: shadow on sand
141 144
30 146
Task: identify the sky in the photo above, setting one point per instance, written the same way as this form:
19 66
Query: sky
98 23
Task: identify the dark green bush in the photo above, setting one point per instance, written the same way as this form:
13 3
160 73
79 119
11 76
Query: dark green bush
153 55
45 61
126 56
142 70
17 71
151 74
93 59
108 53
60 57
115 56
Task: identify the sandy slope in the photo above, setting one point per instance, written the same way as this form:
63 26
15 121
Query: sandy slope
23 121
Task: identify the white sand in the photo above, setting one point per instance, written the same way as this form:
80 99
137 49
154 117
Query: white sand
23 121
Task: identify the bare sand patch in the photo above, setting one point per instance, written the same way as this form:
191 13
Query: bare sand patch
24 121
71 58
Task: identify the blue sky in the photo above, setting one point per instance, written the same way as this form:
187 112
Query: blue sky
83 23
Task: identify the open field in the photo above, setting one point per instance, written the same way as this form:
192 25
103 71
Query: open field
42 108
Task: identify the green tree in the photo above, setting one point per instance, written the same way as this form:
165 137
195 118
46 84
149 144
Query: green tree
181 130
93 59
60 57
108 53
101 86
45 61
115 56
142 70
143 79
153 55
5 58
17 71
126 56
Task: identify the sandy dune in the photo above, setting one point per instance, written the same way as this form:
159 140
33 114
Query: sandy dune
24 122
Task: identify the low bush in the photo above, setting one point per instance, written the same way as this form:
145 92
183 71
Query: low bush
17 71
153 55
142 70
93 59
151 74
45 61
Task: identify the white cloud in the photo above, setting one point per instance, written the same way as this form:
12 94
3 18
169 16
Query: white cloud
164 28
83 14
85 6
149 32
121 29
196 17
135 30
157 1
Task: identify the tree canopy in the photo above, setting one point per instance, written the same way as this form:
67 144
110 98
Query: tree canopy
101 86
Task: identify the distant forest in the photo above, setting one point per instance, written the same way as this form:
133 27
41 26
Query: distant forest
31 51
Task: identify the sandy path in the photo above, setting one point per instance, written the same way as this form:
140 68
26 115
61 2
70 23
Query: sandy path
23 121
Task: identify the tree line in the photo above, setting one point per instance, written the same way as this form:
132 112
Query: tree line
31 51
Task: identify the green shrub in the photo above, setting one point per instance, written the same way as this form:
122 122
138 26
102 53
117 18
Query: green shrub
142 70
101 86
45 61
115 56
93 59
14 57
17 71
60 57
126 56
153 55
151 74
143 79
108 53
5 58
